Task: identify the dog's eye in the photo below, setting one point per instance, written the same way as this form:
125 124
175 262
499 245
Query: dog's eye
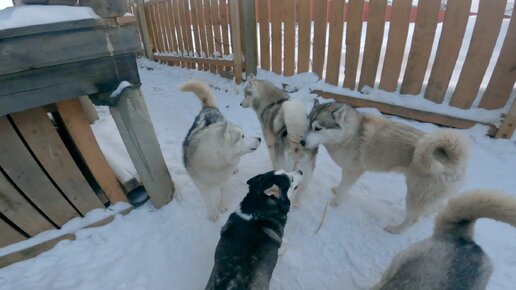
317 129
243 136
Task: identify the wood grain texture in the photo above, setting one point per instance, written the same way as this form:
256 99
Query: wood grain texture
454 27
235 39
335 41
82 135
223 6
508 126
179 29
396 42
373 43
9 235
171 28
19 211
209 31
17 162
304 8
353 36
421 47
486 31
202 31
265 41
319 46
45 143
277 42
289 28
502 80
250 38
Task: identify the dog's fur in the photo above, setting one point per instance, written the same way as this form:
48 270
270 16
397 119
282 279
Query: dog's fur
283 123
434 164
212 149
247 251
450 259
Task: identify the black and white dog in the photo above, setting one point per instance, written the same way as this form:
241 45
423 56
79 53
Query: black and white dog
247 251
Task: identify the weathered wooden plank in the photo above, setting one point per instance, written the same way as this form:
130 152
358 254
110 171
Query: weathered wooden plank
277 42
335 41
196 31
250 38
82 135
9 234
353 36
409 113
39 87
289 35
265 54
160 11
223 6
421 47
46 49
236 41
509 123
19 211
373 43
157 28
504 75
188 22
486 31
18 164
144 28
319 46
135 126
152 27
202 31
396 42
209 31
216 26
205 61
179 30
304 8
171 25
39 133
454 27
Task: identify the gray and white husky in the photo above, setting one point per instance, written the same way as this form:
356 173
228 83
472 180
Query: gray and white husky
212 149
434 164
284 122
450 259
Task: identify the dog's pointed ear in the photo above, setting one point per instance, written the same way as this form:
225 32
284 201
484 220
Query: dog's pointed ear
274 190
340 112
255 180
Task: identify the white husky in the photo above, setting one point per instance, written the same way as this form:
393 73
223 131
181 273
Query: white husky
212 149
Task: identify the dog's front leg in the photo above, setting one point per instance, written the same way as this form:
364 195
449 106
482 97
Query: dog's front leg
349 178
223 202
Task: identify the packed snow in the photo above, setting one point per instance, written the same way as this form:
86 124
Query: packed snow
173 247
19 16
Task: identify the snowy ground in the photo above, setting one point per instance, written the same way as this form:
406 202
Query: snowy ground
172 248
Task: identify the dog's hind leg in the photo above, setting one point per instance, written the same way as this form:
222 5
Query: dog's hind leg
349 178
415 206
223 202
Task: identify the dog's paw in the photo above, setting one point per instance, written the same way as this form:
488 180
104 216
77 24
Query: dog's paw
393 229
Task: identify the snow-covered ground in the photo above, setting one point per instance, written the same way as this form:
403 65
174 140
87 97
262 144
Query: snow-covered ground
172 248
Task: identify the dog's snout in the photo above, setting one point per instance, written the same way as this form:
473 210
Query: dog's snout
303 143
259 139
300 172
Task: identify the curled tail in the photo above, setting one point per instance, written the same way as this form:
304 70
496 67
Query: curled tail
439 150
459 216
202 91
292 115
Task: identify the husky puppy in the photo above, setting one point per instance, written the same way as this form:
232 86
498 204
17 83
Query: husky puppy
212 149
434 164
247 251
450 259
283 123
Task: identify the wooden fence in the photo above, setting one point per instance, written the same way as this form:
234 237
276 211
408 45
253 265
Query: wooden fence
317 27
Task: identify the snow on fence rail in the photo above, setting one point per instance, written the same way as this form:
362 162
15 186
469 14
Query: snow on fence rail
335 40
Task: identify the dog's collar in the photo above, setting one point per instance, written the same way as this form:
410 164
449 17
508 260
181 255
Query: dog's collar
271 105
244 216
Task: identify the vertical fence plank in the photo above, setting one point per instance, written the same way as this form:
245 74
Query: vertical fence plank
250 38
319 46
152 28
373 43
202 31
209 31
19 211
25 172
504 75
163 26
157 25
235 39
276 14
304 8
396 42
335 41
179 31
508 126
263 15
170 24
289 36
185 10
196 32
454 27
353 36
216 28
422 40
143 25
9 234
486 30
223 6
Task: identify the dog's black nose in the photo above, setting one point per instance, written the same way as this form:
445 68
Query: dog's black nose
240 104
300 172
259 139
303 143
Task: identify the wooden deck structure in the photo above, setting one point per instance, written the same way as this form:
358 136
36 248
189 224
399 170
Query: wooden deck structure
51 167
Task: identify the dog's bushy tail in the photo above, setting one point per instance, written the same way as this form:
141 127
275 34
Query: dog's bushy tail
459 216
438 150
292 115
202 91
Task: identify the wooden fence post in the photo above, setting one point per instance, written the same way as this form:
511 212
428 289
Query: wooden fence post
144 29
250 42
509 123
235 39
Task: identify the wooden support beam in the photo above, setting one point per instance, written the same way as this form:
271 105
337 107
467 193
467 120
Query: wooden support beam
509 123
135 126
235 39
207 61
250 38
